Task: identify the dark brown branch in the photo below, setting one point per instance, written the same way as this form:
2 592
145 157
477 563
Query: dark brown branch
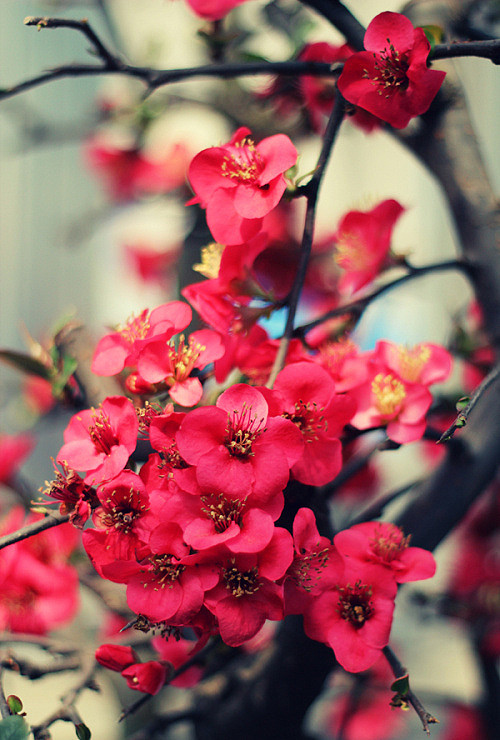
359 305
51 520
311 190
425 717
83 26
484 49
67 711
463 416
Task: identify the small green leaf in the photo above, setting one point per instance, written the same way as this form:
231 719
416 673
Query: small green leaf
25 363
69 365
15 704
13 728
82 732
401 685
462 403
460 422
434 35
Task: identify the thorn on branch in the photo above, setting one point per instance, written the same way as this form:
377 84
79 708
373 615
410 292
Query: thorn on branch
463 415
404 695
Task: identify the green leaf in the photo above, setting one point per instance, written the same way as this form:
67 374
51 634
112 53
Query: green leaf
462 403
25 363
69 365
434 35
14 728
15 704
82 732
401 685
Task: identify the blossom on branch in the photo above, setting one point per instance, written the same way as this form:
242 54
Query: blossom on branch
241 182
391 78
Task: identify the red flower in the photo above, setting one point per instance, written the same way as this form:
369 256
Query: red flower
355 617
387 400
315 564
362 243
319 92
213 10
385 543
391 78
122 348
310 402
248 594
100 441
147 677
240 182
237 442
162 362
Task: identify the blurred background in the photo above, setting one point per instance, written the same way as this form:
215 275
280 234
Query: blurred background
71 247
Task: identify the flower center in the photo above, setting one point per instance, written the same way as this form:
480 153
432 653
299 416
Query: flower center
101 433
242 430
306 570
355 604
412 360
350 252
389 544
241 582
308 419
210 260
389 394
222 511
183 359
135 328
244 163
392 68
165 570
120 514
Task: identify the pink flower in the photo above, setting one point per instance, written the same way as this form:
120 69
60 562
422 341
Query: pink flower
391 78
100 441
319 92
362 243
162 362
116 657
424 363
213 10
146 677
355 617
240 182
385 399
385 543
310 402
122 348
237 442
247 593
315 565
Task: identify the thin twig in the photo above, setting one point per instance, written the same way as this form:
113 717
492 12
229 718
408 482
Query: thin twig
357 306
113 64
51 520
67 712
463 416
111 61
311 190
399 671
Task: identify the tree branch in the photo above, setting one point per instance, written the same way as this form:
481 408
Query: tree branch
399 672
311 190
51 520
